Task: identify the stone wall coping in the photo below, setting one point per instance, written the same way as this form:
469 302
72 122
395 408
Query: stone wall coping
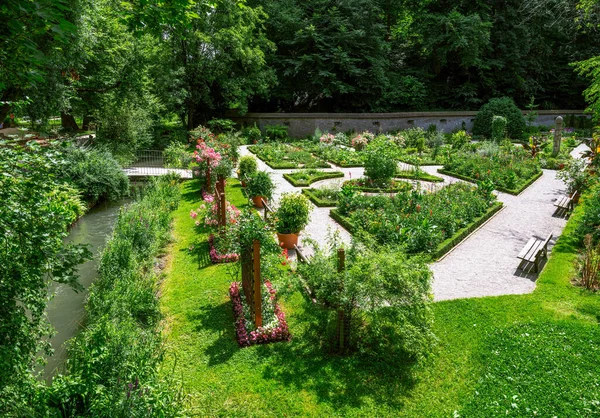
395 115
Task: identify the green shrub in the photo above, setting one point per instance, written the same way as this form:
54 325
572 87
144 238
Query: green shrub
248 166
292 214
260 184
460 139
252 134
380 160
385 297
503 106
219 126
177 155
413 136
276 133
498 128
94 172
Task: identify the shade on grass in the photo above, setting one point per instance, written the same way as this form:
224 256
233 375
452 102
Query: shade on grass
480 342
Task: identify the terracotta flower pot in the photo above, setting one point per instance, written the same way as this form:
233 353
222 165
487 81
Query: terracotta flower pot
257 202
287 241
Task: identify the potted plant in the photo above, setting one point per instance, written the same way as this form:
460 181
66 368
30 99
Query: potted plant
260 186
292 217
248 166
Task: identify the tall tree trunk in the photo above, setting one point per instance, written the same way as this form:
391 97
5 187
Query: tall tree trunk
191 113
4 109
86 122
68 121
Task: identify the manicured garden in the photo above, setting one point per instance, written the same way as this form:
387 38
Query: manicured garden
286 156
473 369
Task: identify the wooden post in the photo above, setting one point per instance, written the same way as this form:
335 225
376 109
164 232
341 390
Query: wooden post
257 285
340 319
222 211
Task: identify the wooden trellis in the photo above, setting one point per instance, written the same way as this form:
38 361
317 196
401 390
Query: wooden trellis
221 202
251 282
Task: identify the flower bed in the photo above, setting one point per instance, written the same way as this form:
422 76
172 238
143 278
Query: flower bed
341 156
217 258
308 177
421 175
281 156
321 197
276 328
420 222
367 185
510 172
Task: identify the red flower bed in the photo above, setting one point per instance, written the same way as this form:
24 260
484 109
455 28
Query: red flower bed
217 258
261 335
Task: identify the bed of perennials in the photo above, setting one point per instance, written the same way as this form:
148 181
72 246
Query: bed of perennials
509 171
281 156
419 221
307 177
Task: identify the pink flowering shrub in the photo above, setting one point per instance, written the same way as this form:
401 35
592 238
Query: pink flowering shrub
210 213
206 155
361 141
327 139
276 328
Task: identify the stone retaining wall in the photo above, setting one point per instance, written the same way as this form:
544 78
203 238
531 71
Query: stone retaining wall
303 124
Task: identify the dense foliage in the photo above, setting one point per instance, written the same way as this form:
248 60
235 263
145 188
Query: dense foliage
417 221
507 167
93 171
505 107
383 294
113 366
36 210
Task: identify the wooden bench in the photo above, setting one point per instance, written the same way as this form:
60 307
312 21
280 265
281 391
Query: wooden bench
534 250
566 202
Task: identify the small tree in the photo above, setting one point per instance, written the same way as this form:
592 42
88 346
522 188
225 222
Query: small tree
380 161
383 294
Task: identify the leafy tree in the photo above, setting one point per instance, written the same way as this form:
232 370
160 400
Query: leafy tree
215 60
35 212
382 297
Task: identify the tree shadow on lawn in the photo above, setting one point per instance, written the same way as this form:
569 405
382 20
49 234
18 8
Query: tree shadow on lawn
354 381
216 319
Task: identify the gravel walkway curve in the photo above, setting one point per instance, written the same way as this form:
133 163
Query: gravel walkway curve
486 263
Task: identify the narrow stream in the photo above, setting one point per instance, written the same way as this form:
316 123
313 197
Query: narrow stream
65 310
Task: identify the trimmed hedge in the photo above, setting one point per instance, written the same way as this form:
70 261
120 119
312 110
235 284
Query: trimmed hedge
515 192
312 179
461 234
422 176
445 245
500 106
318 202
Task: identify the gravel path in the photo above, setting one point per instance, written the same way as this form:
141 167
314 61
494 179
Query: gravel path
486 263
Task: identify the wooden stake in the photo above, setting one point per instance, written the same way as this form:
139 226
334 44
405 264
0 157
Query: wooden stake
257 285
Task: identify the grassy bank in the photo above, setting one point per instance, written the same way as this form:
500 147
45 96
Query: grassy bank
484 347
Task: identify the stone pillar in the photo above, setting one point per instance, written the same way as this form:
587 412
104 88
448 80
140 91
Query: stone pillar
558 127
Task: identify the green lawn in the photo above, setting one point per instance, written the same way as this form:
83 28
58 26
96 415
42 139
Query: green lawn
510 355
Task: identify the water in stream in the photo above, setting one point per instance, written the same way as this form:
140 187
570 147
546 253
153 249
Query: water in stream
65 310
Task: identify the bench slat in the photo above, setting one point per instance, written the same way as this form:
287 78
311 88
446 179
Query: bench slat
527 247
535 249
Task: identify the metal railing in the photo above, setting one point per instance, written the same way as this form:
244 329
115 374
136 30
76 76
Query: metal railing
152 163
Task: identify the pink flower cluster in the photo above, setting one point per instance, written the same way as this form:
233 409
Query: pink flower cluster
262 335
207 197
231 214
207 155
217 258
360 141
327 138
